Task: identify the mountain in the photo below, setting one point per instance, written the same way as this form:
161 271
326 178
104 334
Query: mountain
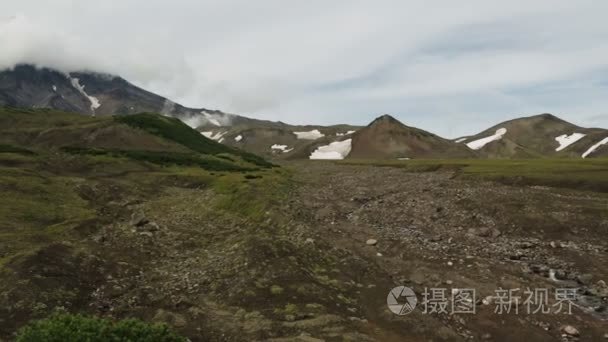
150 138
386 137
543 135
98 94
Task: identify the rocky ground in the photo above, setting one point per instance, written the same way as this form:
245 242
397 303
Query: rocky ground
318 261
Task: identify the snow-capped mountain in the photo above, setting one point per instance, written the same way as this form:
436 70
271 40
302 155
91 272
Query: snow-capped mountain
542 135
92 93
98 94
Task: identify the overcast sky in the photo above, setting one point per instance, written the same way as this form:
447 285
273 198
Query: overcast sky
451 67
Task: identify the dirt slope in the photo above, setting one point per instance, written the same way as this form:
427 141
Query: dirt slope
387 138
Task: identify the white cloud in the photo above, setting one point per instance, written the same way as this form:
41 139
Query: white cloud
427 62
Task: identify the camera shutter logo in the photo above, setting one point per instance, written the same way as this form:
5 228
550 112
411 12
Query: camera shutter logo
401 300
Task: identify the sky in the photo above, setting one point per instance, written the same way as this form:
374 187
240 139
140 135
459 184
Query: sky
451 67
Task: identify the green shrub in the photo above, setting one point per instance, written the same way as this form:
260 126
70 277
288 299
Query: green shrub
67 327
175 130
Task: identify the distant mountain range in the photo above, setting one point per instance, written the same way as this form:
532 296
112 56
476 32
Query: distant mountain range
97 94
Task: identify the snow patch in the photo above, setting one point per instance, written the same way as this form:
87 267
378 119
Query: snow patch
458 141
214 136
350 132
477 144
238 138
594 147
203 118
310 135
343 134
335 150
282 148
404 158
94 101
54 87
566 140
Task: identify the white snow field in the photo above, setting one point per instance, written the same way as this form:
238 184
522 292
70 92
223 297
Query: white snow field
334 151
477 144
282 148
594 147
566 140
310 135
94 101
217 136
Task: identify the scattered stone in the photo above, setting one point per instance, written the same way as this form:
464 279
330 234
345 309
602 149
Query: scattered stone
171 318
138 219
146 233
569 330
527 245
485 232
450 263
371 242
310 240
150 226
379 254
449 282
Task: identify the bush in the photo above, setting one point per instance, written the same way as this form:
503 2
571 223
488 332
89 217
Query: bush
175 130
67 327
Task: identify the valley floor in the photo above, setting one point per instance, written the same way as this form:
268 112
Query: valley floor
284 254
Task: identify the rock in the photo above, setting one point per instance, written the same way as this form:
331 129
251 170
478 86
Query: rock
371 242
450 263
146 233
527 245
606 336
171 318
584 278
554 244
310 240
150 227
488 300
484 232
138 219
449 282
569 330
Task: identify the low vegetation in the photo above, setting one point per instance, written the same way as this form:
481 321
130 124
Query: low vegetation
586 174
66 327
175 130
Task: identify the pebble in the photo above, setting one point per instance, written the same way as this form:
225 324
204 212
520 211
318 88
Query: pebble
371 242
569 330
450 263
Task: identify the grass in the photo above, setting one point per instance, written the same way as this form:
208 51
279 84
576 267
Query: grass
163 158
175 130
36 210
583 174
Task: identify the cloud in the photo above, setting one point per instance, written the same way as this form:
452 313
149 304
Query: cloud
427 62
